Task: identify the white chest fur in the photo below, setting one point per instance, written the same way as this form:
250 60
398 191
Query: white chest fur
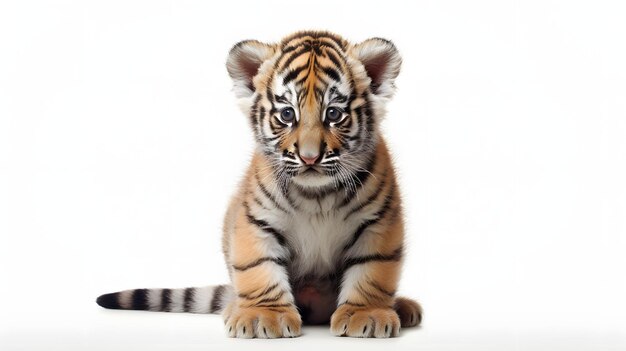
317 234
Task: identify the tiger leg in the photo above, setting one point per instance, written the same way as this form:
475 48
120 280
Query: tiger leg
370 279
366 302
264 305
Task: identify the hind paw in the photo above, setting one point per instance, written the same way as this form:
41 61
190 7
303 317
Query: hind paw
409 311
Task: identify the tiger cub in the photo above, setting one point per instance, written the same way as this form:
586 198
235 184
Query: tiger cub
315 231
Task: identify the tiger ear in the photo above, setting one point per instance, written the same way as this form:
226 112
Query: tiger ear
382 62
243 63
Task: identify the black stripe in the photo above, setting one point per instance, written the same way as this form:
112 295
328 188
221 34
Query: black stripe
277 126
276 309
332 73
293 56
288 154
329 45
370 297
284 190
370 119
254 111
261 114
293 74
109 301
268 195
335 40
264 226
315 194
344 143
379 215
270 139
301 94
140 299
371 198
278 261
270 97
251 296
359 231
344 128
364 174
352 261
269 94
333 57
166 300
339 97
286 50
302 80
258 202
281 98
272 299
189 297
274 305
299 39
352 304
317 48
361 119
319 92
360 178
361 124
216 301
381 289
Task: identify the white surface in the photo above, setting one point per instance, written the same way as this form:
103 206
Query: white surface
120 144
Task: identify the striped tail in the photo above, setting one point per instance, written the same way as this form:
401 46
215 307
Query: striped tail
209 299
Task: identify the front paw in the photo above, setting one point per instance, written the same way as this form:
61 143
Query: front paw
365 322
262 322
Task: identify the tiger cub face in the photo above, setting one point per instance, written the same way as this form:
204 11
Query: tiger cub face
314 101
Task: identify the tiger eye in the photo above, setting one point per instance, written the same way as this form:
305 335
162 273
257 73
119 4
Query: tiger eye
333 114
288 114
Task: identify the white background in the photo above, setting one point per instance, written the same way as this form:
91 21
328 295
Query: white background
120 144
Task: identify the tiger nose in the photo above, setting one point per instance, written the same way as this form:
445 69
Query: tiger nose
309 158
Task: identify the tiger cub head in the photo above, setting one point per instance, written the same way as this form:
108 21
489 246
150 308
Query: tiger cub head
315 101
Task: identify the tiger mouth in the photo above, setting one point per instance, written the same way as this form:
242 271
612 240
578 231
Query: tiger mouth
311 171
